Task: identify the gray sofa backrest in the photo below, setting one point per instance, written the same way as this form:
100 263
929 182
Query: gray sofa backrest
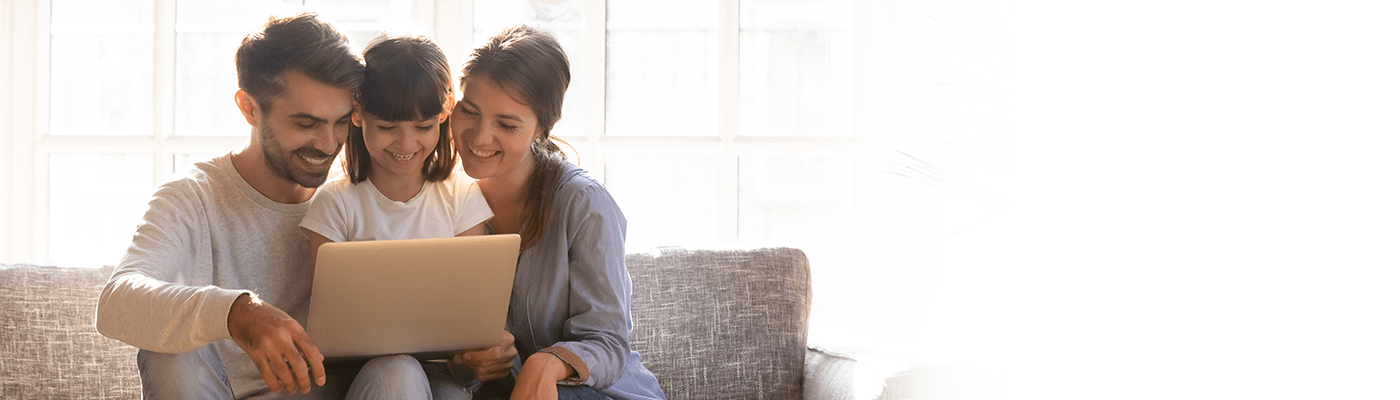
722 324
49 347
712 324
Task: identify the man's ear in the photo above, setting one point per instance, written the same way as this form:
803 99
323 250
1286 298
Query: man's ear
251 112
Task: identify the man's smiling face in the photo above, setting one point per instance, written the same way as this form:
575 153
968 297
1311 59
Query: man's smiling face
304 129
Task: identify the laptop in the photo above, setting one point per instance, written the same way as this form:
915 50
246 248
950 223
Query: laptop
424 297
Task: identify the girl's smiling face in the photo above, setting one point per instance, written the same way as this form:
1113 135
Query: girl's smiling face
399 148
493 132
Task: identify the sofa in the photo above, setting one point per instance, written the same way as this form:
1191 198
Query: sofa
713 323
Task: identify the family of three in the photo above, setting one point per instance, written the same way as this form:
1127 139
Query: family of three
214 289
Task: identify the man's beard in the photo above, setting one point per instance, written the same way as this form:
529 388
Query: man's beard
280 160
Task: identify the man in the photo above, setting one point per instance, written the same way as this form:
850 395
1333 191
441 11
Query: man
215 287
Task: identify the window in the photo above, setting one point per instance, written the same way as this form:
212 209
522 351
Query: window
710 121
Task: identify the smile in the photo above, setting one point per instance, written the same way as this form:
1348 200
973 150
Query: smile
315 161
403 157
482 154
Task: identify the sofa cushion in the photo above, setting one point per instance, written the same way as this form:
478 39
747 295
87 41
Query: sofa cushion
47 340
722 324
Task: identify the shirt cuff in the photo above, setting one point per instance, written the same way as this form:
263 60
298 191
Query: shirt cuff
568 357
221 301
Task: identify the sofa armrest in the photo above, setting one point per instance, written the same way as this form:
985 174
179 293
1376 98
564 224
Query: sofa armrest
854 374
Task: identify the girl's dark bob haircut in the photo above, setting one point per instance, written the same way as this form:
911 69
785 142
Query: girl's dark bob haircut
407 78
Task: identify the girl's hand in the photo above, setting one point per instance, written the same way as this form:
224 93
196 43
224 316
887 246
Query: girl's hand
538 377
490 363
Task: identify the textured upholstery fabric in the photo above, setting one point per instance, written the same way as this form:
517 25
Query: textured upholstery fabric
719 324
49 348
712 324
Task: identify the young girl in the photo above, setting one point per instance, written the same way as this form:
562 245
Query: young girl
399 181
569 318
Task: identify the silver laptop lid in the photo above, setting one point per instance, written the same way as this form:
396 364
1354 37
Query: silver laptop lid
424 297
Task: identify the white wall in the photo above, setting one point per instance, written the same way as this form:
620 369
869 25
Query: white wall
1205 204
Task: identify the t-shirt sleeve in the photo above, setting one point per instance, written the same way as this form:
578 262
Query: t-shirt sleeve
328 214
472 209
153 300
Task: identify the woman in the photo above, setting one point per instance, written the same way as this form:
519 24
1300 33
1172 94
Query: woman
569 319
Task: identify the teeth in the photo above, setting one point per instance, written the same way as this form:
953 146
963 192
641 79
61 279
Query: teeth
315 161
403 157
483 154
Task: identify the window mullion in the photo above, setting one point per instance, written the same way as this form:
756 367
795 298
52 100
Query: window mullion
164 92
452 27
29 26
593 84
728 190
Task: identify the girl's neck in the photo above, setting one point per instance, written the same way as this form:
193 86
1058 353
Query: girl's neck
397 188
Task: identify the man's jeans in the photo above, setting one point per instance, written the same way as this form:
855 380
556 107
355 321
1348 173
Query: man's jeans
199 374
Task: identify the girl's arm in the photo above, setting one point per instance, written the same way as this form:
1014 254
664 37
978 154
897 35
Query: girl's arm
316 241
479 229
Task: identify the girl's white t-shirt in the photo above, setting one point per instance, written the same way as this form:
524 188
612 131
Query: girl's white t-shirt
342 211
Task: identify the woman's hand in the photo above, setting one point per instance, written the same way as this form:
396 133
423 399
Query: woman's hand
537 380
490 363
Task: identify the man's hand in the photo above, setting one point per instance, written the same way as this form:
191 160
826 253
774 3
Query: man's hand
277 344
490 363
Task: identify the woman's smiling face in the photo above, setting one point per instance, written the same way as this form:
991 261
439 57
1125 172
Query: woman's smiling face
493 131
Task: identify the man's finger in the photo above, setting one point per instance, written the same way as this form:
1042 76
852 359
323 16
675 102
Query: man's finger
266 371
283 372
298 365
314 359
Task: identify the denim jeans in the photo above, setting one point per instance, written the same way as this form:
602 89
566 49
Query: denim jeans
500 390
199 374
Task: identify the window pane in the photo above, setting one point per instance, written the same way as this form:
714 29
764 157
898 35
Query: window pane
362 20
356 11
806 202
101 84
182 163
208 33
102 12
660 209
251 14
95 203
205 81
795 68
563 19
663 68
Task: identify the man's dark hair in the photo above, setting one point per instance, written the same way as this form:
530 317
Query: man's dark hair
303 43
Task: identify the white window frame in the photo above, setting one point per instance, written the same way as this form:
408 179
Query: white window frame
28 146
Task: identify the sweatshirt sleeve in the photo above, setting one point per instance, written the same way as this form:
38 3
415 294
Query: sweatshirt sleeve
159 297
599 328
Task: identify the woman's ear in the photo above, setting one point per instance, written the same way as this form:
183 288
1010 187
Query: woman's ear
246 104
447 107
355 116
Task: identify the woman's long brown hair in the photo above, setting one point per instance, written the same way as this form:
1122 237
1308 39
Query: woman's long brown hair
532 65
